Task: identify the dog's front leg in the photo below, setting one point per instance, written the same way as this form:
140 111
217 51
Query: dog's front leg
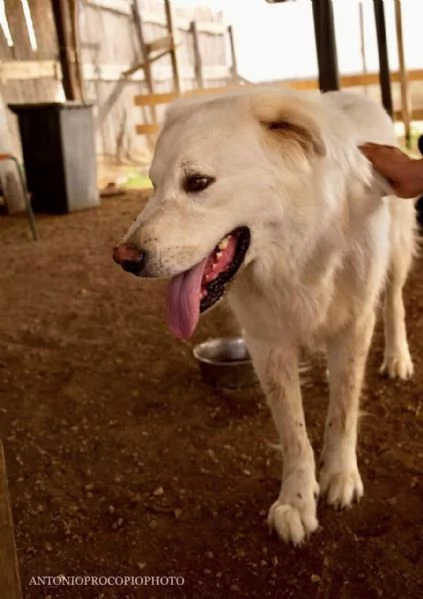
339 476
293 514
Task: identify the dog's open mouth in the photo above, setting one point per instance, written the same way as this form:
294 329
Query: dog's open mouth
198 289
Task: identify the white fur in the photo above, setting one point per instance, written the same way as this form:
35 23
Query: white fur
323 244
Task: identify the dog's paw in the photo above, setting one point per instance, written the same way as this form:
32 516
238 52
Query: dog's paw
341 488
291 523
295 520
398 365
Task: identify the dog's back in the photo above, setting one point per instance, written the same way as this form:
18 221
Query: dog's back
372 124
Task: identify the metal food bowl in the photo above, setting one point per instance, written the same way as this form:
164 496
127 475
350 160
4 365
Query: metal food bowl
225 362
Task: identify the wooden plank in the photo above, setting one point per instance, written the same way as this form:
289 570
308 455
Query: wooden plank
150 17
405 98
165 98
163 43
210 28
50 69
119 7
299 84
9 570
148 129
75 40
234 63
136 12
61 14
155 99
362 40
174 58
416 115
198 61
115 72
154 128
29 69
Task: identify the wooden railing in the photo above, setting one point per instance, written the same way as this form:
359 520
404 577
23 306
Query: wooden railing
361 80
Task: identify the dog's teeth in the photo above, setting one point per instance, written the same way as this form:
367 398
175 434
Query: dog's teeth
224 243
219 255
214 265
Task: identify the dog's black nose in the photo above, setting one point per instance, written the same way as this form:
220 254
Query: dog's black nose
130 258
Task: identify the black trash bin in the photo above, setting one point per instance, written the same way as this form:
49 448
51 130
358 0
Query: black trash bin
58 147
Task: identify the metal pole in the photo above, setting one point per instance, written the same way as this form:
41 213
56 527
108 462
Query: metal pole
325 44
384 73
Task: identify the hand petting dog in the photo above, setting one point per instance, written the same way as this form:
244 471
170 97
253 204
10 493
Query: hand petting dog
403 173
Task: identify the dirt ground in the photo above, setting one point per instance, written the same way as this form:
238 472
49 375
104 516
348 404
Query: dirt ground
122 462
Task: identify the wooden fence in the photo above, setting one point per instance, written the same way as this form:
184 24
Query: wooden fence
109 49
369 81
111 45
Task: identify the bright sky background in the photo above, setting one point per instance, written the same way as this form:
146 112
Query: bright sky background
277 41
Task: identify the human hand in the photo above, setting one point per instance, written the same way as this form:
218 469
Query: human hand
404 174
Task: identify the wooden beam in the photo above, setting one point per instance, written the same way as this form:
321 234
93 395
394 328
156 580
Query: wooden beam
154 128
147 129
405 98
299 84
183 24
115 72
75 41
163 43
234 63
29 69
174 58
119 7
198 61
136 12
416 115
362 40
122 7
61 19
9 570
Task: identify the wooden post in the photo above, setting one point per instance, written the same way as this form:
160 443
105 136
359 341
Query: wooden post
405 99
61 16
9 570
362 41
173 52
198 61
76 46
234 63
136 12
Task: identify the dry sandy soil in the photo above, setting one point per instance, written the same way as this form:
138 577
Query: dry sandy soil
123 462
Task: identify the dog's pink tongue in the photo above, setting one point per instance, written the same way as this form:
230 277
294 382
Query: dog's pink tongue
183 301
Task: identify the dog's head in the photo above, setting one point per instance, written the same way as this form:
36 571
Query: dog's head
230 176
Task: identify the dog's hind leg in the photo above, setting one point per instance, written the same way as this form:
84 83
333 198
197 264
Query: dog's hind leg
293 514
340 479
397 360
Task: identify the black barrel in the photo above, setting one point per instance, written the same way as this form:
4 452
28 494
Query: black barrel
58 145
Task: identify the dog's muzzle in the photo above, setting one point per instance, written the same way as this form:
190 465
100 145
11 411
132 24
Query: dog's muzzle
130 258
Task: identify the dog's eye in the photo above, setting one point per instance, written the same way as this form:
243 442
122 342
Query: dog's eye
195 183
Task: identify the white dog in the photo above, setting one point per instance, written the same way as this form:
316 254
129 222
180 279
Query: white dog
267 190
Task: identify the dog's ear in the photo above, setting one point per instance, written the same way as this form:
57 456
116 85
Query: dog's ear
287 119
285 130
